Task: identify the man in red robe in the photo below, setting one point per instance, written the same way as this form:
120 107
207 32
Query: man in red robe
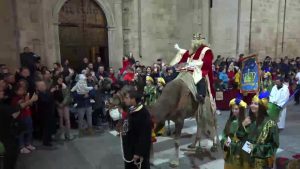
198 60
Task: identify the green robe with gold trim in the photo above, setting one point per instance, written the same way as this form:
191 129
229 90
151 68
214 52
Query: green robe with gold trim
265 140
150 94
266 85
234 155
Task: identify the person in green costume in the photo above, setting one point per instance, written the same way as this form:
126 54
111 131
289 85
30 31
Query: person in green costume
231 141
150 93
160 85
262 132
267 83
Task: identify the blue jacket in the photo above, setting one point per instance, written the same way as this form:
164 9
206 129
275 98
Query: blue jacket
224 77
82 101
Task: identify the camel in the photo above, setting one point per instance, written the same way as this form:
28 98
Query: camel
176 103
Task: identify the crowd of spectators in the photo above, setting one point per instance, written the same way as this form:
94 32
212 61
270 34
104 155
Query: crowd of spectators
43 103
228 73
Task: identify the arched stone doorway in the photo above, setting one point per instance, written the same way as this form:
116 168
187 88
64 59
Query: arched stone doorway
82 32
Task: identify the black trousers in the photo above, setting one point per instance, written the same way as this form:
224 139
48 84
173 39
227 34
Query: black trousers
99 116
11 154
48 128
201 87
145 165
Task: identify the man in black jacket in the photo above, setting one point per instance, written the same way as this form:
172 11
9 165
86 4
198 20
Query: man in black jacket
29 59
25 74
137 132
8 136
46 111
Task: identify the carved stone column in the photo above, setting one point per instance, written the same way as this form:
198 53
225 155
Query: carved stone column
115 37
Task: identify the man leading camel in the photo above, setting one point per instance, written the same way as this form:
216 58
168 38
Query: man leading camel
179 105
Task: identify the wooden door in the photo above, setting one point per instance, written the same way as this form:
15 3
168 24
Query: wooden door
82 32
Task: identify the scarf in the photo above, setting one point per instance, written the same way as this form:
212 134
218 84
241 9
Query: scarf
136 108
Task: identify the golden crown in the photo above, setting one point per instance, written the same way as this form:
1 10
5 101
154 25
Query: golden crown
197 36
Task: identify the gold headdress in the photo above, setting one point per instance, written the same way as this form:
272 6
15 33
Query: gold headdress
267 74
161 80
149 78
239 102
262 98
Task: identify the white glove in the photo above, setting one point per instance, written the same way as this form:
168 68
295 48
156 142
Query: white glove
176 46
191 64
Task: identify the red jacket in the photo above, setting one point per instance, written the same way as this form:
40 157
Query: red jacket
230 75
25 112
113 78
126 64
129 77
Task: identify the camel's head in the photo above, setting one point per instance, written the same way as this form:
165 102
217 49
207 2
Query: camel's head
118 98
115 105
116 101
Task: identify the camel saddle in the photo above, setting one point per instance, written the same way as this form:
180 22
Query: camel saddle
188 80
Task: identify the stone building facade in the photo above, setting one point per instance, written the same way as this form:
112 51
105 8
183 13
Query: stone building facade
150 28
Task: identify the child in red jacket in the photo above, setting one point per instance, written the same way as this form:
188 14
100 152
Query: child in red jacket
24 100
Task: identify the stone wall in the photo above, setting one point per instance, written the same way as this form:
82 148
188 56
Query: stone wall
30 26
292 29
8 44
165 23
231 34
152 27
158 28
224 27
131 40
266 30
